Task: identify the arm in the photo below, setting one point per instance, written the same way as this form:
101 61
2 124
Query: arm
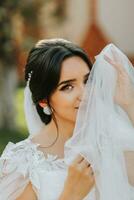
28 193
130 113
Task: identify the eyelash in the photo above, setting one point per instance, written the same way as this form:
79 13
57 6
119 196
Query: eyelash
66 87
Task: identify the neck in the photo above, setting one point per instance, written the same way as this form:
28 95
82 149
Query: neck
65 131
65 128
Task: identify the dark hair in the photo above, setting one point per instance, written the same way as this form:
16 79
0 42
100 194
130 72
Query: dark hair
44 61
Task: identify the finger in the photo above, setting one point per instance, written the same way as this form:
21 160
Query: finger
109 60
84 164
78 159
115 56
116 65
89 171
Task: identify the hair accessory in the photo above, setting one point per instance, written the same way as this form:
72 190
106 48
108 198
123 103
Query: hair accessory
33 120
29 77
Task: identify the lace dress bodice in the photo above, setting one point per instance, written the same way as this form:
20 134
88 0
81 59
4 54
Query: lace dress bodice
22 163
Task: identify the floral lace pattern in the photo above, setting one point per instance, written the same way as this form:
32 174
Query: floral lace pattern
24 158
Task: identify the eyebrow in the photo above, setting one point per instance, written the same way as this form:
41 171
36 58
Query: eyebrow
71 80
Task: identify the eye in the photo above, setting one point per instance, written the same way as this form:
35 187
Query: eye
67 88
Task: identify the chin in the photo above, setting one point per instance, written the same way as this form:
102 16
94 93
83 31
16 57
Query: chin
74 118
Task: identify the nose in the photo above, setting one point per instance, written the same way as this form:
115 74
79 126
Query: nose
80 91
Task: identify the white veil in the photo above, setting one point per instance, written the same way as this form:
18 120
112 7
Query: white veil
103 131
33 120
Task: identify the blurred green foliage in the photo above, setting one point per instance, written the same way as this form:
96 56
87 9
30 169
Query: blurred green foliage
21 131
29 11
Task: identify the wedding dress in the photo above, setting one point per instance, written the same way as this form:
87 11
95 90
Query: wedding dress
103 134
23 162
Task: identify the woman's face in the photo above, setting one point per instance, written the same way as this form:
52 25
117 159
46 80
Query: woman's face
67 97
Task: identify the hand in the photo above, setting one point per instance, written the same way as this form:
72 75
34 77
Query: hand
124 93
80 180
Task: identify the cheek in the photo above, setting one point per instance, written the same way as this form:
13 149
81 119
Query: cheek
64 106
63 100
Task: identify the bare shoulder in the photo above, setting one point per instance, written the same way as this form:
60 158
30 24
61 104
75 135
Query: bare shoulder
28 193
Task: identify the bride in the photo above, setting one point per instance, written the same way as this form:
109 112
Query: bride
64 158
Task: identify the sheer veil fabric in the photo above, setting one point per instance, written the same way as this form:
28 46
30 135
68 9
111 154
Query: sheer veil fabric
33 120
103 131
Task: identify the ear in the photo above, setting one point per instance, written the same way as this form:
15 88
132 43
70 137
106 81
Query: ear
43 103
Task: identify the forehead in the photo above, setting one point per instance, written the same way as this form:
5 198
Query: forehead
73 67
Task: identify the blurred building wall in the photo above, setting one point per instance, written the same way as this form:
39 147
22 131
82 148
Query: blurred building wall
115 20
90 23
73 26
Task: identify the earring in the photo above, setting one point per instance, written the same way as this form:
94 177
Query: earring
47 110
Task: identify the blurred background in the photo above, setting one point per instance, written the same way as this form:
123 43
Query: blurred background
90 23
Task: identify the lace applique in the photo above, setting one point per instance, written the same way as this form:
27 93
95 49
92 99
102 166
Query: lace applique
23 161
20 157
24 157
51 161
